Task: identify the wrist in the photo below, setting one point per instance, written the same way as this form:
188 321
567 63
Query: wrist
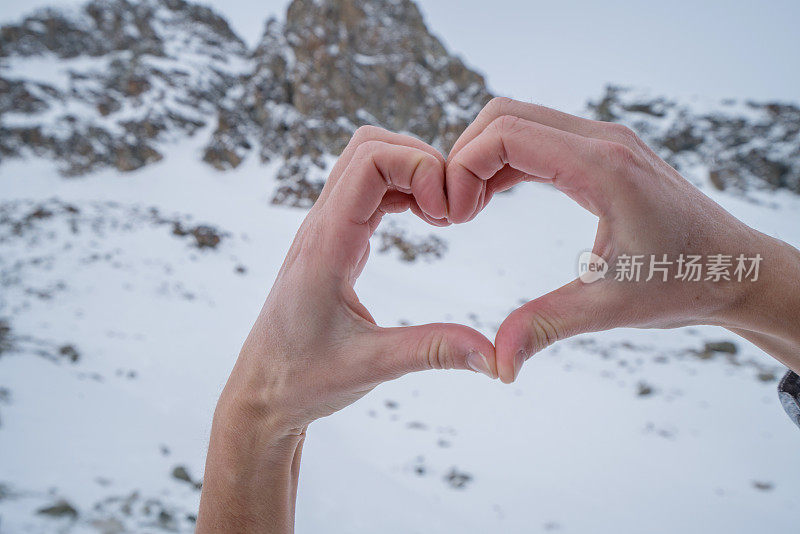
770 304
258 397
242 413
252 466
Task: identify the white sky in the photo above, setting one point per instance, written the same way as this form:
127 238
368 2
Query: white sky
562 53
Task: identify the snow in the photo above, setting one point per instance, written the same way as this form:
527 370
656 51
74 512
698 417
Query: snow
366 60
570 447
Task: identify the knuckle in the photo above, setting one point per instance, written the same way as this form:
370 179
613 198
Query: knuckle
366 149
433 350
622 134
365 133
497 106
426 159
619 157
545 330
506 124
505 128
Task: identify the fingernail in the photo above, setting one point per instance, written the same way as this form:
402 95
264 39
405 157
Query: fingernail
519 359
478 363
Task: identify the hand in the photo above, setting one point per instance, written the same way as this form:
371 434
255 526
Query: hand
644 208
314 348
314 342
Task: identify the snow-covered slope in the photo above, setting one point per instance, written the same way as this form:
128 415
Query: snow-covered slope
125 295
121 334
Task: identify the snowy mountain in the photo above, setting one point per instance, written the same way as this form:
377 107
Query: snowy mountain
110 84
105 85
151 166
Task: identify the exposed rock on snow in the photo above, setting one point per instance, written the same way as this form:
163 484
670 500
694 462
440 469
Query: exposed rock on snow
729 144
334 66
106 85
410 248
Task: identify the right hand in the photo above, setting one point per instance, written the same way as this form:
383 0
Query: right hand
644 208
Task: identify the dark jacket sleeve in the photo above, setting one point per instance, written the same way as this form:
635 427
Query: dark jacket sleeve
789 392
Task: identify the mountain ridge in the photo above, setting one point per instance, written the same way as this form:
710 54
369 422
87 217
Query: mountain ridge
112 83
297 96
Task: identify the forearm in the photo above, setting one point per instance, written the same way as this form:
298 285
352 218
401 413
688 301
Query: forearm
768 314
786 352
251 475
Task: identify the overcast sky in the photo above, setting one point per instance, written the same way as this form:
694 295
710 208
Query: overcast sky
561 53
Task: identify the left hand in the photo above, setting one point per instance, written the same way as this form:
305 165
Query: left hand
315 348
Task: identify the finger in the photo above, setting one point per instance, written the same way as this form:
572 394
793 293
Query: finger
501 106
574 164
392 202
363 135
464 192
503 180
397 351
398 202
428 191
343 223
573 309
416 210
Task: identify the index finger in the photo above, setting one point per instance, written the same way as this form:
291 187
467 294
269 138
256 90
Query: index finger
574 164
365 134
375 168
471 192
502 106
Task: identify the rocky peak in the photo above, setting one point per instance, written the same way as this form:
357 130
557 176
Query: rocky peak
104 26
376 61
110 84
334 66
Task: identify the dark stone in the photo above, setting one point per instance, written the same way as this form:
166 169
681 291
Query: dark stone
69 352
60 509
457 479
726 347
682 139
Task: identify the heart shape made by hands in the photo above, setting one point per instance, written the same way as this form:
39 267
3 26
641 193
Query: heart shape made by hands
643 205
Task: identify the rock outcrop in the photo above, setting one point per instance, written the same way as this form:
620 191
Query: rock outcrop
109 84
332 67
729 144
114 82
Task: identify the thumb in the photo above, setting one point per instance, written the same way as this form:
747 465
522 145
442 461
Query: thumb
572 309
407 349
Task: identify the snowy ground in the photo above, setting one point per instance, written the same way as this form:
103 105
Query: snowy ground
620 432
